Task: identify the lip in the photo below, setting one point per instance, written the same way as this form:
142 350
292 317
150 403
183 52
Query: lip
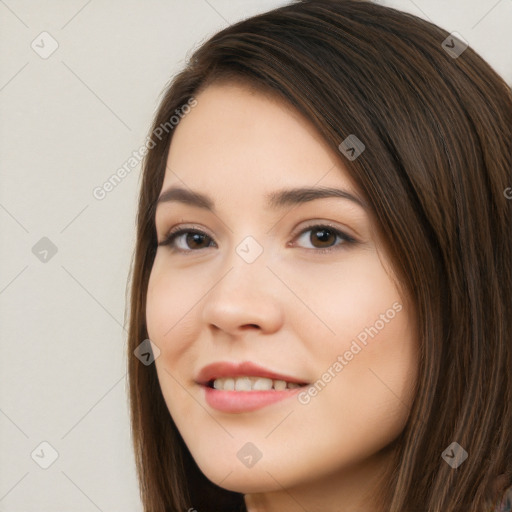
246 368
242 401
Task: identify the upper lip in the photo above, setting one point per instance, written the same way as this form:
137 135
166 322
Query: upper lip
244 369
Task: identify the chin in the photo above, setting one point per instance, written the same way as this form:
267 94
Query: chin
230 474
244 481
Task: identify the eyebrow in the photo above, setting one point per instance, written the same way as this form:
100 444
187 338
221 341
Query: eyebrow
275 200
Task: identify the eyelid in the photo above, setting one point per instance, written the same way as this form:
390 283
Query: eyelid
179 229
324 224
339 232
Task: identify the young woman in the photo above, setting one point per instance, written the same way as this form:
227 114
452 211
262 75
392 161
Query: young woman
323 268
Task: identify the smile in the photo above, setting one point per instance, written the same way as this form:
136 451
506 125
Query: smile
244 387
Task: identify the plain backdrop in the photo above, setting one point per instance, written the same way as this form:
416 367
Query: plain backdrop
71 115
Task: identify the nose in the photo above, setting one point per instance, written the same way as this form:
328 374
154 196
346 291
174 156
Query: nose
246 297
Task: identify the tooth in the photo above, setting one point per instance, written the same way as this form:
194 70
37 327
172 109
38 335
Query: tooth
243 384
252 384
279 385
218 383
229 384
262 384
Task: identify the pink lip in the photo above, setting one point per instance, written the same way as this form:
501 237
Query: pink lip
242 401
246 368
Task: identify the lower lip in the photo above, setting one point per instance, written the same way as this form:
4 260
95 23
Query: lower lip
244 401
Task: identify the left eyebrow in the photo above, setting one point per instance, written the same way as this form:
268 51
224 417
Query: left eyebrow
296 196
276 200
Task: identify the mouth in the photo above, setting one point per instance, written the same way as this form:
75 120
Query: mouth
245 387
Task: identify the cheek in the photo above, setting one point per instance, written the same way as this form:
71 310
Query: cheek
345 303
367 367
171 325
169 307
376 382
364 406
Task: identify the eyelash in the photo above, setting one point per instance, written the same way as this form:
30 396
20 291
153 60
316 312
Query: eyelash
346 239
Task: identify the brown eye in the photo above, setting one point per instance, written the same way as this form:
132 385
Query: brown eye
186 240
324 237
195 240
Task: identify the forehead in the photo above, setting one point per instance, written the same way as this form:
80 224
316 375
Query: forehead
239 138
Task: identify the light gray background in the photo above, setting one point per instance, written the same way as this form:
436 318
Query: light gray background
67 123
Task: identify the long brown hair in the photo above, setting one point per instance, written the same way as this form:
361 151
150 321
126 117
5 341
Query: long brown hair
438 159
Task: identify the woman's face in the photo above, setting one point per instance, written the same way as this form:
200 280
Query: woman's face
287 307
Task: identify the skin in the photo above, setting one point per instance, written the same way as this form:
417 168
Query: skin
293 310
